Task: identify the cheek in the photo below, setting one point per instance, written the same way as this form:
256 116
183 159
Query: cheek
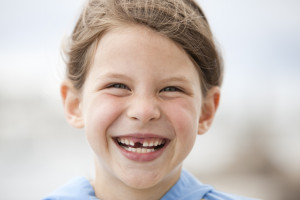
99 114
184 116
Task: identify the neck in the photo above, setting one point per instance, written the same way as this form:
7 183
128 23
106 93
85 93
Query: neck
110 187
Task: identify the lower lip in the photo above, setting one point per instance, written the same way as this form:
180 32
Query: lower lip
142 157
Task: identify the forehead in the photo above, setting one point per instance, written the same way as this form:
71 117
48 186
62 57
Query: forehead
142 37
138 36
136 47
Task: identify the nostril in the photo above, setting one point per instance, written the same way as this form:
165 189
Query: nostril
145 118
134 118
152 119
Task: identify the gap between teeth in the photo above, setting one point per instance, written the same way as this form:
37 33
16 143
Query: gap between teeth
145 143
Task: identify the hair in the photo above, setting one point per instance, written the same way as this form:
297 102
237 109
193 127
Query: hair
180 20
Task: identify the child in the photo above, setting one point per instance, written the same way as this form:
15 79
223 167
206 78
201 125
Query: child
143 79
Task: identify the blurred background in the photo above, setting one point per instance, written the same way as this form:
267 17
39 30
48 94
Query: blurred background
252 149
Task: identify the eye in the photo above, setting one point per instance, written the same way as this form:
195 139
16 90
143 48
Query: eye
171 89
118 85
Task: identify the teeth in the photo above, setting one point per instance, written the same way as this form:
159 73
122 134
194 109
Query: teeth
131 143
150 144
139 150
132 149
146 142
150 150
146 147
144 150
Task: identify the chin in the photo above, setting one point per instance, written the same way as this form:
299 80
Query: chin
140 179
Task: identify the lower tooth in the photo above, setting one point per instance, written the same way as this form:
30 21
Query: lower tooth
132 149
150 150
139 150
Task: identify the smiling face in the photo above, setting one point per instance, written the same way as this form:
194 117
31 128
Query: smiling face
141 108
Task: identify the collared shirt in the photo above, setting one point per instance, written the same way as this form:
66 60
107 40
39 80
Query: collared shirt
186 188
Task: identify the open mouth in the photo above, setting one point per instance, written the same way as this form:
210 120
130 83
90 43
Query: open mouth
141 145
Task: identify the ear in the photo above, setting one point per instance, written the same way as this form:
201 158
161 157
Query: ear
209 107
72 104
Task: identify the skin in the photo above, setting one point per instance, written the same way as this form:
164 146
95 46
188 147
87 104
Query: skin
127 91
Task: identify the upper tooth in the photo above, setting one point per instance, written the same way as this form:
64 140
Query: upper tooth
145 144
160 141
131 143
150 144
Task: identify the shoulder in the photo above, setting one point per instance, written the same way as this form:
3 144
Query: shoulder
77 188
189 188
215 195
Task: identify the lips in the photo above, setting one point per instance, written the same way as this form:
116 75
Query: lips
141 148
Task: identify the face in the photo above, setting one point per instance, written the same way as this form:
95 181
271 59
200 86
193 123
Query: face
140 106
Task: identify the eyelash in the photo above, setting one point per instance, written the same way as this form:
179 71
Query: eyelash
118 86
166 89
171 89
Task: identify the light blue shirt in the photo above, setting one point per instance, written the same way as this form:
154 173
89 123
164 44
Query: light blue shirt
186 188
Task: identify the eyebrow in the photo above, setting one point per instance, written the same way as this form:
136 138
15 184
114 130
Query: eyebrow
181 79
113 75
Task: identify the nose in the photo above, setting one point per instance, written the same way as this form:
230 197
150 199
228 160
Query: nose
144 109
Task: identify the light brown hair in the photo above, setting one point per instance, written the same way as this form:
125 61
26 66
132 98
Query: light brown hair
180 20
